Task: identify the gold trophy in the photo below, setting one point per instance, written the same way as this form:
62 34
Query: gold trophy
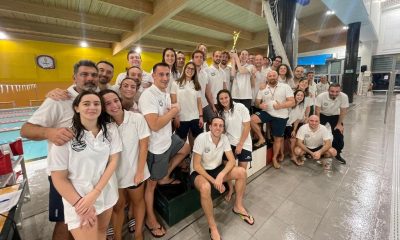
235 38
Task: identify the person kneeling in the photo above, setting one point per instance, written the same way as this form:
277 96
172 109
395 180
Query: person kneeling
207 169
314 139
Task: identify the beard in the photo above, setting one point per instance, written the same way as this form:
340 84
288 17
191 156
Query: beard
89 86
104 80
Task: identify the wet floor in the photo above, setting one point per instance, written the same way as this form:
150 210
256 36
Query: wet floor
348 202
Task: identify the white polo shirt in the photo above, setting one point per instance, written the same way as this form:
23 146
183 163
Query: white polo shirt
153 100
322 87
289 81
241 85
132 129
234 125
187 97
216 80
203 79
271 95
227 75
313 139
261 78
86 162
330 107
296 113
146 77
211 155
54 114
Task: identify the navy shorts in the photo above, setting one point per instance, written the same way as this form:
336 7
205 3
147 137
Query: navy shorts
244 156
213 173
278 124
56 206
185 126
315 149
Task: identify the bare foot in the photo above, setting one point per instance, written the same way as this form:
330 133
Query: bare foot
214 234
228 196
281 157
276 164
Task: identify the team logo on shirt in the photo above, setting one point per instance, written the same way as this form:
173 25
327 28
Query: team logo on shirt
78 146
181 87
266 92
213 74
306 135
326 104
207 150
160 102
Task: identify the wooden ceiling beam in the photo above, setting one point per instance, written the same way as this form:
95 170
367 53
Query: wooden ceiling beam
252 6
46 38
157 44
139 6
18 25
183 16
163 10
201 21
35 9
186 37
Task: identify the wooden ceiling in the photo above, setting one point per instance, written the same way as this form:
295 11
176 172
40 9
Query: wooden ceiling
156 24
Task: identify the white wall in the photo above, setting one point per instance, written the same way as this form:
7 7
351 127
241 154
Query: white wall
389 35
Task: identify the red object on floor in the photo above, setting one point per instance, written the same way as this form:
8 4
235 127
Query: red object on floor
5 164
16 147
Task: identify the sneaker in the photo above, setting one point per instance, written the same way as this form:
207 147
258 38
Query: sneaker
340 159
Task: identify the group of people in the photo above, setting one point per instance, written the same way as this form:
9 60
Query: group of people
111 145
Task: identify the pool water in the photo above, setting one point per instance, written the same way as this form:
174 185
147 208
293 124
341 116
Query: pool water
33 150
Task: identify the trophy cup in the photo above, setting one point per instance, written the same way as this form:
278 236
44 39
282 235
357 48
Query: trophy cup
235 38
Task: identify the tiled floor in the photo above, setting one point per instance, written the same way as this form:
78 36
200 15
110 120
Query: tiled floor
349 202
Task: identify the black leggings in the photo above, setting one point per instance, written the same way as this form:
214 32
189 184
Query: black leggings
338 139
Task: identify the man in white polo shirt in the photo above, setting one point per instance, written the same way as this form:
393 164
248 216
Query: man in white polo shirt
216 78
274 101
243 80
52 122
323 85
314 139
208 171
166 150
331 107
134 59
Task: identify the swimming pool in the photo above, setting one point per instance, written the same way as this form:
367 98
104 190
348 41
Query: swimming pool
11 121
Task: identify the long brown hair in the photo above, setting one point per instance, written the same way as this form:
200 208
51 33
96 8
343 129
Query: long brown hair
182 79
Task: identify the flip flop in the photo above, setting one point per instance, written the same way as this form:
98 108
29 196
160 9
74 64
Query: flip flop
245 217
259 144
154 229
174 181
131 225
110 234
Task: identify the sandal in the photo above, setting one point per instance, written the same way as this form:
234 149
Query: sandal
131 225
110 234
155 229
259 144
244 217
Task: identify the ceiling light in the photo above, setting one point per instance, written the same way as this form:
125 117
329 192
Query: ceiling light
345 27
84 44
329 12
3 35
138 49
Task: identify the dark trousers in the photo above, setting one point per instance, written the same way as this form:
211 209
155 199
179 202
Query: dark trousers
338 139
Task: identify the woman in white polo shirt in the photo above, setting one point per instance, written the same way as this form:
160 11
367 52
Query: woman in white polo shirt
285 75
169 57
303 85
296 116
128 90
237 127
82 170
186 91
132 169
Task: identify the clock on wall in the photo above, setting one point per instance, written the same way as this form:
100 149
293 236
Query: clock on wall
45 62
